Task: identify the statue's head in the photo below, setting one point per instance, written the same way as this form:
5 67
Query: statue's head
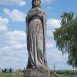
36 3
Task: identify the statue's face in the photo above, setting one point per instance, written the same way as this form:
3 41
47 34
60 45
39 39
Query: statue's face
36 2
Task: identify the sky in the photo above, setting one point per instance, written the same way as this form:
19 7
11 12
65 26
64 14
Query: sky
13 51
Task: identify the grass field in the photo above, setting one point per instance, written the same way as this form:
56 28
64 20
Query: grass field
11 75
64 76
21 75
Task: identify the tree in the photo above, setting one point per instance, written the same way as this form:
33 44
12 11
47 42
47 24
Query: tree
10 70
5 70
66 37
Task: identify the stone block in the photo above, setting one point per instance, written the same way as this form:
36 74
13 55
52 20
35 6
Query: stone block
36 73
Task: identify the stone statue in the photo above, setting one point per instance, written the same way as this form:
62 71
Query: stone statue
36 36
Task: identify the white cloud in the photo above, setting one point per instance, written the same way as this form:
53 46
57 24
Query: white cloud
3 28
52 23
16 35
14 50
5 48
55 23
4 20
16 39
15 15
22 3
49 45
12 58
19 46
48 1
6 11
13 2
3 24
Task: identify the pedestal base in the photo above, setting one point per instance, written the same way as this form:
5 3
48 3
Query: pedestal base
36 73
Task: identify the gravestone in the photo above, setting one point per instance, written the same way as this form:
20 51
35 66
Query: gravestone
36 41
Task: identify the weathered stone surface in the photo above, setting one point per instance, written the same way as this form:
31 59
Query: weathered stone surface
36 37
36 41
36 73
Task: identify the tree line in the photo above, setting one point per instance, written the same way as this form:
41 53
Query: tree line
7 70
10 70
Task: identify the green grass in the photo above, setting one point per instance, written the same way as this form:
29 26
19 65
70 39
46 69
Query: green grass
21 75
11 75
65 76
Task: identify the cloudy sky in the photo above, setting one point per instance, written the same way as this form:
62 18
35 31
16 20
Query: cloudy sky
13 52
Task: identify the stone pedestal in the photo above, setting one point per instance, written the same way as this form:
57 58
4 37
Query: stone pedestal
36 73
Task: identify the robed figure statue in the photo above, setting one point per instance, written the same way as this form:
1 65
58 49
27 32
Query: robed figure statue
36 36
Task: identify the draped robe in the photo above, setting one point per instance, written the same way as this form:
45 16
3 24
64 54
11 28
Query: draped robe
36 32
